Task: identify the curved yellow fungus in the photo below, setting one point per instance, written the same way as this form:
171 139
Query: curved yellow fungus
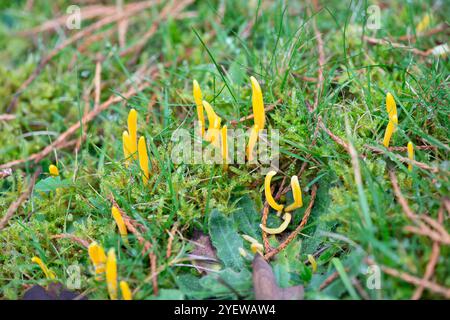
119 221
257 247
111 274
297 193
268 192
389 131
410 154
258 104
197 92
224 138
126 147
48 273
126 292
132 131
281 228
143 160
252 142
98 257
391 107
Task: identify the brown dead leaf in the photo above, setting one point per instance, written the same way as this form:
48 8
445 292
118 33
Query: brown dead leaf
266 287
204 255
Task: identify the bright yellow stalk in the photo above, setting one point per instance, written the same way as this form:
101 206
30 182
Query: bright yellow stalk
297 193
48 273
313 262
132 130
423 24
268 192
143 159
215 132
252 142
111 274
389 131
410 154
126 147
53 170
119 221
281 228
126 292
258 104
213 120
391 107
224 147
198 101
98 257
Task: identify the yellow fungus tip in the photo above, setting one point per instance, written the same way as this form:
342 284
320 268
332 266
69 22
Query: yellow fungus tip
53 170
281 228
268 192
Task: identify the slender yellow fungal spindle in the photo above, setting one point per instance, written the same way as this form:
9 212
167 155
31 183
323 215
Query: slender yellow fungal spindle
132 130
111 274
389 131
410 154
213 120
258 104
224 147
252 142
391 107
119 221
143 159
49 274
126 147
281 228
313 262
297 193
53 170
268 192
98 257
126 292
423 24
198 101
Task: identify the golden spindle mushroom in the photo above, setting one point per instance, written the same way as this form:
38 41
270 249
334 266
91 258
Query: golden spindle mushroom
197 92
120 222
252 142
287 219
98 258
143 159
49 274
258 104
410 148
268 192
224 147
111 274
297 193
125 289
389 131
132 131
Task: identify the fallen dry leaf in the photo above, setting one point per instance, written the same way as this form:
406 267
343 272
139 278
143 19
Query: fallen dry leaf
265 285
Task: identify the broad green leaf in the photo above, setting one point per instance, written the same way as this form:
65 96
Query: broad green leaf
226 240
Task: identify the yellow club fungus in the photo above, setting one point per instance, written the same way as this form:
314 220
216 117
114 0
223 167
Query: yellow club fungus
297 193
53 170
132 131
258 104
389 131
125 289
313 262
143 159
197 92
391 107
268 192
126 144
410 148
252 142
48 273
224 139
111 274
98 257
119 221
287 219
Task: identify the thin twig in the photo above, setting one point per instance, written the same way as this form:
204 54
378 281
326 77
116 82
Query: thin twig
16 204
